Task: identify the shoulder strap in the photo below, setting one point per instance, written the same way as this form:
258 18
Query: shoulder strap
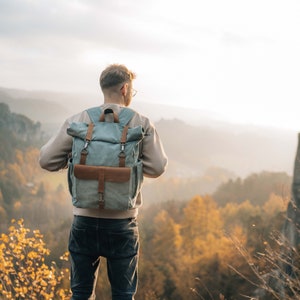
94 113
125 115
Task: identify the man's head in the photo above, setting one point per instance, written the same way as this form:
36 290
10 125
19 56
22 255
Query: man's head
116 80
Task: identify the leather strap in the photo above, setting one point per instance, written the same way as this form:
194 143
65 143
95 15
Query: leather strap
89 133
122 155
124 135
88 138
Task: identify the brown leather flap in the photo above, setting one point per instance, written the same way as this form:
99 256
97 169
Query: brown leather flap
102 174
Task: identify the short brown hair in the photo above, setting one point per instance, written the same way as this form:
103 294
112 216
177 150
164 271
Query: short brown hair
115 74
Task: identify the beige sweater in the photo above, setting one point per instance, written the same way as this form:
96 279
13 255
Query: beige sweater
54 156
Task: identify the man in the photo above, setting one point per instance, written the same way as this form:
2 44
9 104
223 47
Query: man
99 232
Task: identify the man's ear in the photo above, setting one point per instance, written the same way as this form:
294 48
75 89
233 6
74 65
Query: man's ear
124 89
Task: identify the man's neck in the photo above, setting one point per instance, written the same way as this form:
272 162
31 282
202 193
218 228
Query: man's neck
114 100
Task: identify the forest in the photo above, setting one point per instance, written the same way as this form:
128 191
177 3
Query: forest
202 246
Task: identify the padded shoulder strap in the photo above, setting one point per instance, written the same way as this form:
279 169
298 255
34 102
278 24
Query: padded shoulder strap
94 113
126 115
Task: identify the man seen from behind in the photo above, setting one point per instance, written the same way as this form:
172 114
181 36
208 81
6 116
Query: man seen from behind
98 232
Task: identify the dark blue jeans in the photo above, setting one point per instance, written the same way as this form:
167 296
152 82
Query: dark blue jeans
117 241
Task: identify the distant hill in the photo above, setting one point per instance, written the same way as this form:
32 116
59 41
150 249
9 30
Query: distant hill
52 107
193 140
196 148
37 108
17 132
256 188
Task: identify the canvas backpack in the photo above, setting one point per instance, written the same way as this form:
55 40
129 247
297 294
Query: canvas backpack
105 170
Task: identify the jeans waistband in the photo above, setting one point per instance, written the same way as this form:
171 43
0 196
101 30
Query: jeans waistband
100 222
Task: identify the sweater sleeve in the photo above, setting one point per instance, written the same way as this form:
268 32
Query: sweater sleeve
153 154
54 154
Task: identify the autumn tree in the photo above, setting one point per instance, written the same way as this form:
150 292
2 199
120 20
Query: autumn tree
23 272
202 222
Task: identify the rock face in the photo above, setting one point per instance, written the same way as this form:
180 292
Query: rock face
285 279
282 281
292 225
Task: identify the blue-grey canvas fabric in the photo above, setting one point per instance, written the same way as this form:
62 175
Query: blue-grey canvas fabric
104 150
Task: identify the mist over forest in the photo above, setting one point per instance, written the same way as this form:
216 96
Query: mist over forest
195 141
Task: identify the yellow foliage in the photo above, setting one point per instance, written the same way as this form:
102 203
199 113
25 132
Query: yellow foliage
168 238
275 204
19 157
23 273
17 205
32 166
15 171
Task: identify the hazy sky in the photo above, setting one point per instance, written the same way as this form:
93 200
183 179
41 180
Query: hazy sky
239 59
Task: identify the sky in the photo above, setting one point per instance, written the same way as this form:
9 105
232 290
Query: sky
236 59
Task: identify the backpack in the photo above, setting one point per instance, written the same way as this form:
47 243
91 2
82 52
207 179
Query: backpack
105 170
